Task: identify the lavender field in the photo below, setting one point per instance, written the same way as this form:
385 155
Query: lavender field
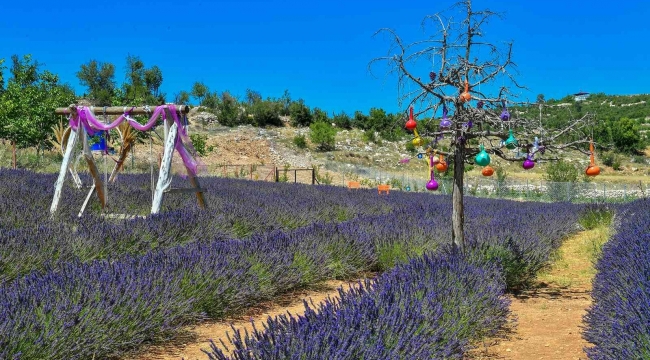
82 288
618 322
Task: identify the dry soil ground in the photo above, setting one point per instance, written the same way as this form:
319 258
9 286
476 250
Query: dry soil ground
547 326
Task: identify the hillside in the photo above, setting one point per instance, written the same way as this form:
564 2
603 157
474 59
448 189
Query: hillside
247 149
606 107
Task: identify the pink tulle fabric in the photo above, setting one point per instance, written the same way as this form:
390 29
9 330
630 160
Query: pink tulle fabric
91 125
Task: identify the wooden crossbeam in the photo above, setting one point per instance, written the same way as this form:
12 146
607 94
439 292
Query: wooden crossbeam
118 110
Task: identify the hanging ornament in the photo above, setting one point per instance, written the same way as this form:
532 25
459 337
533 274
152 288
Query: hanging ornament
487 171
445 123
592 169
417 141
432 185
482 158
505 115
511 142
411 124
479 104
435 160
466 96
528 163
442 165
432 76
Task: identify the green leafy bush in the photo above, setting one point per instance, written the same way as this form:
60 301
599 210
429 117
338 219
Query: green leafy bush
323 135
198 141
300 141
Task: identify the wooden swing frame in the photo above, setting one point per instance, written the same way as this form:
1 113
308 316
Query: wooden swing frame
98 186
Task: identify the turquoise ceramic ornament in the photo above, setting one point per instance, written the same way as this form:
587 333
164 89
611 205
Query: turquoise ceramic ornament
511 142
482 158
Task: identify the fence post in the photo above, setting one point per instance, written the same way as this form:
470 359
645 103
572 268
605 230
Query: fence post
277 175
313 176
251 171
295 176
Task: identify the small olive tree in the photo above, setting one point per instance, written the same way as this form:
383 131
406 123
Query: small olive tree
471 83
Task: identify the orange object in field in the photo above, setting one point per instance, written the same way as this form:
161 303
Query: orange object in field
466 96
487 171
442 166
592 169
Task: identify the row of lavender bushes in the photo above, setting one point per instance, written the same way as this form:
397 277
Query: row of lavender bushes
77 308
30 240
433 307
618 322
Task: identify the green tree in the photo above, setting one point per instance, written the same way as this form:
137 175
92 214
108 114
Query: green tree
135 88
199 91
342 120
228 110
285 101
323 135
153 79
182 97
319 115
266 112
99 78
361 121
300 113
27 104
211 100
626 136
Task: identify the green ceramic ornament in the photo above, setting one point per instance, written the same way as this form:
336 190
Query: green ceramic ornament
511 142
482 158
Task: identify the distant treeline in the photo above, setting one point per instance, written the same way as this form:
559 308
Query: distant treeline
30 94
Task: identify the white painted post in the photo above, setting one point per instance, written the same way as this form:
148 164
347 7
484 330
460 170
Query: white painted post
164 177
58 186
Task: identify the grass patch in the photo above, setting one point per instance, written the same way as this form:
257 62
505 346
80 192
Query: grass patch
574 261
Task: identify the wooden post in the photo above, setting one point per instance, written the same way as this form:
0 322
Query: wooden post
58 186
457 217
277 175
313 176
164 177
199 192
88 155
251 171
295 176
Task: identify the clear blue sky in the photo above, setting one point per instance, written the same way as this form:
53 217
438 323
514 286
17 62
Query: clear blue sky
319 51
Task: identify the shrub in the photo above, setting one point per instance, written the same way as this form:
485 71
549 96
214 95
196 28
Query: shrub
300 141
198 141
323 135
612 160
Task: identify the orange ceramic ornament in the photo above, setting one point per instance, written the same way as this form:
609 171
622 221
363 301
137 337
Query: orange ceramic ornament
592 169
465 96
442 166
487 171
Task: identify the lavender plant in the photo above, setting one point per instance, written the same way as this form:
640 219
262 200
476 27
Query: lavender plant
430 308
618 321
105 279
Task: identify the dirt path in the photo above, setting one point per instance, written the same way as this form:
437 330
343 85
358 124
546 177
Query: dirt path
198 337
549 317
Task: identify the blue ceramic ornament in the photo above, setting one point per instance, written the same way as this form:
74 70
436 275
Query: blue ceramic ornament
482 158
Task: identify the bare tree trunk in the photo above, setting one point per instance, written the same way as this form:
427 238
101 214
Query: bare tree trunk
13 154
458 213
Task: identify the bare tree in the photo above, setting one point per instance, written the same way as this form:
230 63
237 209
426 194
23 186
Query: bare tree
465 63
